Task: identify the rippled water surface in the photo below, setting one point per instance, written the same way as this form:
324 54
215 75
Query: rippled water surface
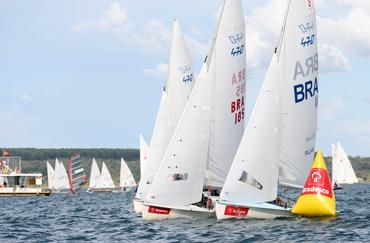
110 217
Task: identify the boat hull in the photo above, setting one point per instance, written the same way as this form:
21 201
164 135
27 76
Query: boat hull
259 211
151 212
23 191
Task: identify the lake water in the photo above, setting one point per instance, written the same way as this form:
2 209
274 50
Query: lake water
110 218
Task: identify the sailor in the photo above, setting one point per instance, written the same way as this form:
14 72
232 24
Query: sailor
5 170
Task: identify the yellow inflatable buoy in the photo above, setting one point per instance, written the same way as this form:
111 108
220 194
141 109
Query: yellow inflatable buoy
317 197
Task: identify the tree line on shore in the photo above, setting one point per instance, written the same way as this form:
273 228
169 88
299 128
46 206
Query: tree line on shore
34 159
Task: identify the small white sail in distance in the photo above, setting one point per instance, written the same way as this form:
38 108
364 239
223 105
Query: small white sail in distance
342 170
61 177
126 177
106 180
94 181
51 175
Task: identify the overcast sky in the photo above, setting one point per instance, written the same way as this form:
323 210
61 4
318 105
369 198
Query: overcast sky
89 73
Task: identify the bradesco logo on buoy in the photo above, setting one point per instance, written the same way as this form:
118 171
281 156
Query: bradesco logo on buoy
318 183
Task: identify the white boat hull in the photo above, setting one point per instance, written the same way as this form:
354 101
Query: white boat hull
257 211
23 191
151 212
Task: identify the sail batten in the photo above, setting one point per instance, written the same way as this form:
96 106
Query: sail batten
77 178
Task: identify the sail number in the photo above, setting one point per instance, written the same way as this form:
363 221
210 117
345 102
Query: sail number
188 78
235 51
307 41
237 108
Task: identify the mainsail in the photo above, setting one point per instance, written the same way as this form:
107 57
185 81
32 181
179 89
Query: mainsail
76 173
298 57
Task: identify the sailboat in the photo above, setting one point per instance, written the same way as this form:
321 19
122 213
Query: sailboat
51 175
100 181
278 144
106 181
179 84
76 173
94 176
126 179
200 152
61 183
342 171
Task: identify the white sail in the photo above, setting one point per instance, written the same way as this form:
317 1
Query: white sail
61 177
179 180
65 181
51 175
106 180
207 135
144 153
126 178
227 70
298 57
342 171
176 92
94 181
253 176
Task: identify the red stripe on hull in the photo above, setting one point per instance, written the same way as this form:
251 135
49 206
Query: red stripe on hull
236 211
159 210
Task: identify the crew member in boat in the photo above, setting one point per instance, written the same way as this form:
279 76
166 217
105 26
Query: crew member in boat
335 185
209 204
278 201
2 179
4 168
